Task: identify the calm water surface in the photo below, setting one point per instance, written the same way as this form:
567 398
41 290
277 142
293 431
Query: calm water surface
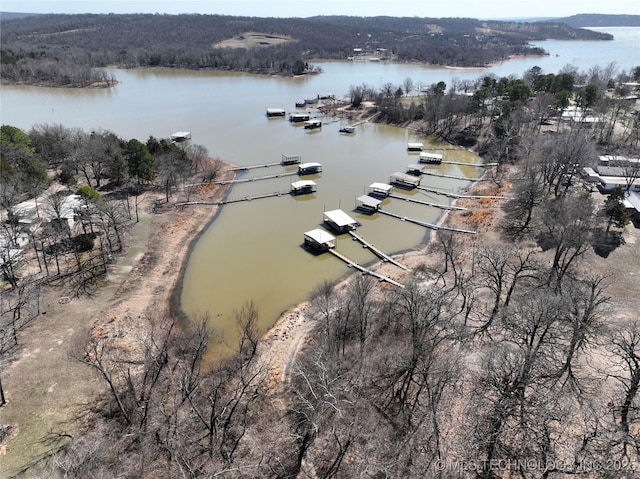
253 250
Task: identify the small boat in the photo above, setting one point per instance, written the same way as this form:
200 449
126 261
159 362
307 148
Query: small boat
347 129
301 104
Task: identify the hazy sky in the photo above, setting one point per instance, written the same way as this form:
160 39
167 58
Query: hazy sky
306 8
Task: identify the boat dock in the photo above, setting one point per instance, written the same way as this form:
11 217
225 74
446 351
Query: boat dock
255 178
457 195
426 224
353 264
454 177
462 163
252 167
427 203
233 200
379 253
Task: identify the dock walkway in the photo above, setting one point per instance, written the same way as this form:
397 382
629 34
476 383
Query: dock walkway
233 200
426 224
427 203
379 253
355 265
251 167
454 177
462 163
255 178
457 195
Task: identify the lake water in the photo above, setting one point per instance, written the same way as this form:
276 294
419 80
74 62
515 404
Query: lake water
253 250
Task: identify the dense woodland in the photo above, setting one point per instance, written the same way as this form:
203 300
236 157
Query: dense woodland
496 360
69 50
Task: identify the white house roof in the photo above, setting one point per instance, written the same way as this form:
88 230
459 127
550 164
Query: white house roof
339 217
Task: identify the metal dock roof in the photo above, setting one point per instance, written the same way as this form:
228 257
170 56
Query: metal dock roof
339 218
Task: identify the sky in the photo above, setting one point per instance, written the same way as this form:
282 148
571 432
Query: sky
499 9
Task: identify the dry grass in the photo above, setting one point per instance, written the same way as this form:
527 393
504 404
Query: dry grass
253 40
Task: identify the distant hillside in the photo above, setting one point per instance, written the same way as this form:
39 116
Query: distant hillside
64 50
12 15
597 20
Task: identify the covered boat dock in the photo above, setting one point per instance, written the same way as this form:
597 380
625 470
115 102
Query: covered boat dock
291 159
298 117
414 169
379 190
404 180
415 146
309 168
339 221
430 158
303 187
275 112
319 240
368 204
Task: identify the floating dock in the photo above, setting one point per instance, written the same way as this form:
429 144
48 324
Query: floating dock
233 200
255 178
309 168
252 167
379 190
368 204
430 158
319 240
404 180
414 169
453 177
275 112
312 124
379 253
339 221
355 265
457 195
462 163
298 117
427 203
426 224
303 187
291 159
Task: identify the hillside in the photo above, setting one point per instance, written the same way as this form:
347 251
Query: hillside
62 50
585 20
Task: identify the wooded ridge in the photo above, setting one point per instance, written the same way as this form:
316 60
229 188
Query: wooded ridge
62 50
